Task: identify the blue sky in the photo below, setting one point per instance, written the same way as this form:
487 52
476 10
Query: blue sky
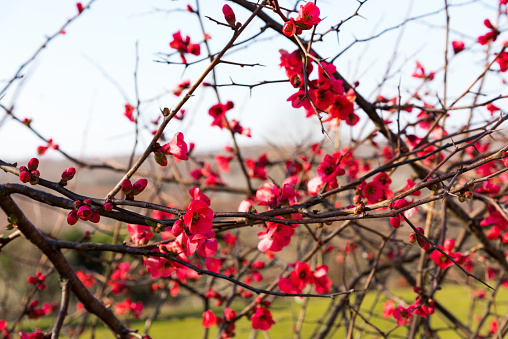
71 101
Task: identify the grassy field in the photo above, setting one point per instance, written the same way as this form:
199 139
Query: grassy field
188 325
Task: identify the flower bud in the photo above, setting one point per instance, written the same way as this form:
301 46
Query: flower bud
289 28
177 228
423 243
96 217
24 176
139 186
77 204
87 202
85 213
229 15
35 173
72 217
33 164
357 199
68 174
126 186
108 206
412 238
160 159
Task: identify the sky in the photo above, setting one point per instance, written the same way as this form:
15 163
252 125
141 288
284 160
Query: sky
76 89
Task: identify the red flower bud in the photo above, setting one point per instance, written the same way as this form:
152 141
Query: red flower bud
77 204
160 158
108 206
72 217
87 202
190 9
79 7
96 217
68 174
126 186
412 238
139 186
229 15
35 173
32 280
357 199
177 228
229 313
33 164
289 28
24 176
423 243
84 213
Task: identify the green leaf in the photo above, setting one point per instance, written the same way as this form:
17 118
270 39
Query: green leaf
151 223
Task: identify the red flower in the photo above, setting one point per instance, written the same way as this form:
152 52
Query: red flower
158 267
458 46
229 313
299 278
441 260
388 309
198 218
86 278
402 315
322 283
140 234
262 319
129 111
128 307
177 147
419 72
489 36
184 46
196 194
218 112
374 191
275 238
308 16
328 169
209 319
502 60
289 28
314 185
184 84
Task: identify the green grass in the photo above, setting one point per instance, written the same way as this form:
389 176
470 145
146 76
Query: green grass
187 323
